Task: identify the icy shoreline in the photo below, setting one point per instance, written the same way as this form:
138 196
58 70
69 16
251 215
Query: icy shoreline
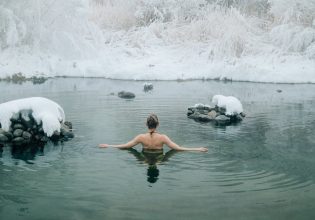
42 79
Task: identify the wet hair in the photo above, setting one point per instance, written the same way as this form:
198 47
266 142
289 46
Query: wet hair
152 121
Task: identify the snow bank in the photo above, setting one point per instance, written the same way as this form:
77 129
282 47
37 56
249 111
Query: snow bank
258 40
230 103
44 111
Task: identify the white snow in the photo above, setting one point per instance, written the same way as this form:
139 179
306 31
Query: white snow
260 41
43 110
230 103
200 105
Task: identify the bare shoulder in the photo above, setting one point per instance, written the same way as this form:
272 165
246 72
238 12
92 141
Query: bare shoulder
164 137
140 137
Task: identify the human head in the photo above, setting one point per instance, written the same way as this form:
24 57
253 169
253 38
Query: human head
152 121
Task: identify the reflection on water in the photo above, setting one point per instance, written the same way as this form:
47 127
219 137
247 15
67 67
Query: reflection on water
152 158
261 168
27 153
1 149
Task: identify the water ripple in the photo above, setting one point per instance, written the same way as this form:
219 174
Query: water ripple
272 150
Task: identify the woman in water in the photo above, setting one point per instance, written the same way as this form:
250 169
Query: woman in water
153 141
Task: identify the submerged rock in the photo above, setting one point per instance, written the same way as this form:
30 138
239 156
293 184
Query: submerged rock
126 95
147 87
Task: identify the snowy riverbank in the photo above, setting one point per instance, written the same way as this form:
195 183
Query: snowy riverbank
259 41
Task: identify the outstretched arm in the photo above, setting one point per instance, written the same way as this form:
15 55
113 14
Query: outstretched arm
130 144
175 146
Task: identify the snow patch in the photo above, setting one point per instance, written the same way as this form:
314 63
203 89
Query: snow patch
230 103
44 111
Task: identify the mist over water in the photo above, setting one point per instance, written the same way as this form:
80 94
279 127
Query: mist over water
258 40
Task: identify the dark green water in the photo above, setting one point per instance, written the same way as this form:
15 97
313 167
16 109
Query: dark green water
262 168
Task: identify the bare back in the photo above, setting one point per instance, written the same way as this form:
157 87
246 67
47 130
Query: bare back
154 141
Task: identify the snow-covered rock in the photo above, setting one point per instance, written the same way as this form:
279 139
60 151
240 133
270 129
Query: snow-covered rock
227 110
44 111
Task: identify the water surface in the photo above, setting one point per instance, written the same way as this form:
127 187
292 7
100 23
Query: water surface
261 168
